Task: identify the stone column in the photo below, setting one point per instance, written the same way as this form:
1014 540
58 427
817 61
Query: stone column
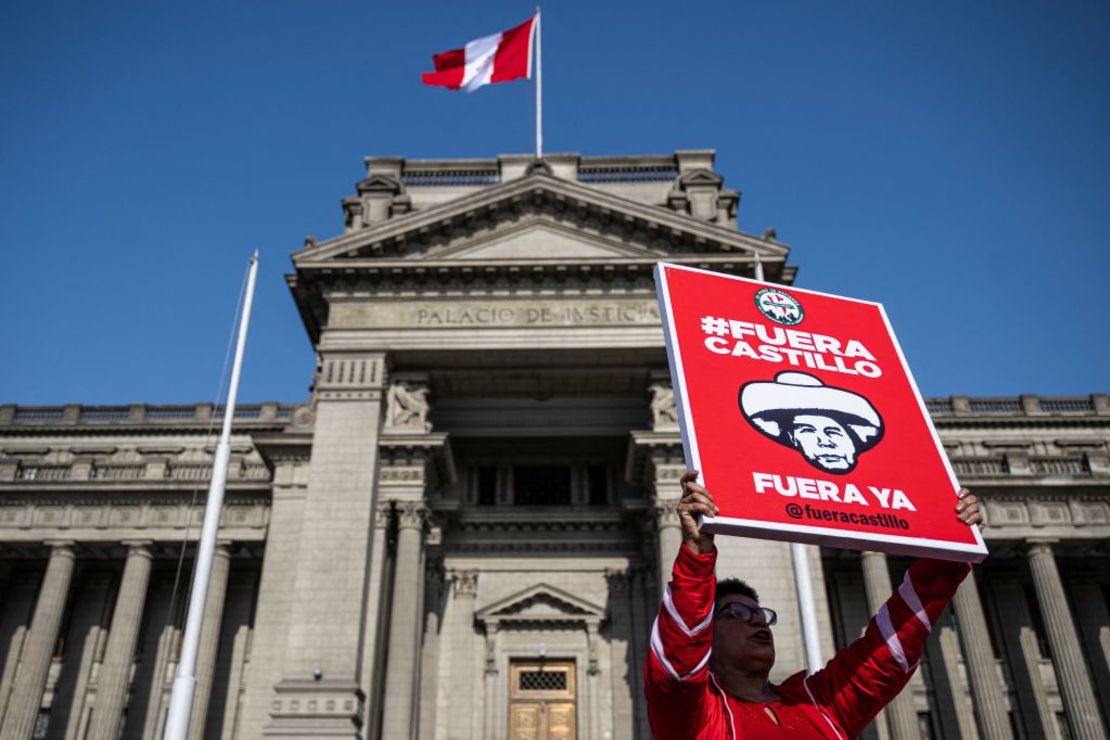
667 468
900 714
1094 625
1067 656
623 668
404 625
644 606
490 721
1028 697
123 635
84 644
950 701
209 639
463 669
430 637
592 694
669 536
26 698
157 635
19 599
982 666
373 639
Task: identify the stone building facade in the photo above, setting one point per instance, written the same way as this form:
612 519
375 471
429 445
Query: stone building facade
463 531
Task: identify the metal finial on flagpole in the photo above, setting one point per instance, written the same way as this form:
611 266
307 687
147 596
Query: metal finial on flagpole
185 682
539 89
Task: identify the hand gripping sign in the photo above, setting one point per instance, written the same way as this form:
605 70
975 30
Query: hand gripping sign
800 412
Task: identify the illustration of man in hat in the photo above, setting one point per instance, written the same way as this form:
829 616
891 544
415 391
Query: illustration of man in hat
831 427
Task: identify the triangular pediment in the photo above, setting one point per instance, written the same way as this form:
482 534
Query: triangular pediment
378 182
541 603
537 216
701 177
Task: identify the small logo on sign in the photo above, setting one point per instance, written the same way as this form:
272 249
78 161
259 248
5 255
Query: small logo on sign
779 307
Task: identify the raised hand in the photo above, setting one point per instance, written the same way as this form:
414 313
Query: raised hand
967 510
696 500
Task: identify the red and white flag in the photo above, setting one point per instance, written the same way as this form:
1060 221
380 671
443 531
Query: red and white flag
498 58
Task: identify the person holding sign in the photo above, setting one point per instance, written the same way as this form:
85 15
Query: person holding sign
712 647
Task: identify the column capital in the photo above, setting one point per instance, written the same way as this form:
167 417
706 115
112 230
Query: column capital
666 514
382 514
138 546
411 515
617 579
463 582
1039 545
60 547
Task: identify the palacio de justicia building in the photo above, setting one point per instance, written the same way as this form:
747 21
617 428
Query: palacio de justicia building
462 531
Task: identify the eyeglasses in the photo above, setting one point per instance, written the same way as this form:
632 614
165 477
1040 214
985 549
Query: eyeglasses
737 610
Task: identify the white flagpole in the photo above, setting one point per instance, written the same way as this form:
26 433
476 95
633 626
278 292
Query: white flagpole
539 89
185 682
803 582
807 606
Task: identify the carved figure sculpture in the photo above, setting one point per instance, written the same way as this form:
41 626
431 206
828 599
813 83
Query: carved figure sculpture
407 406
663 412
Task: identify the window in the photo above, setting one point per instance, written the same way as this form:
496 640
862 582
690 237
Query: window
541 485
532 480
543 680
487 485
597 485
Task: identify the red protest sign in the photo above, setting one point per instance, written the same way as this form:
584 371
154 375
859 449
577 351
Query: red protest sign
800 412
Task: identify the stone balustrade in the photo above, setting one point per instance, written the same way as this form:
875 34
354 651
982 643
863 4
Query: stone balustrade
260 414
20 472
1097 404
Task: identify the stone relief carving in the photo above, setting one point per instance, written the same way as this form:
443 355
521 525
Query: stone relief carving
663 411
407 406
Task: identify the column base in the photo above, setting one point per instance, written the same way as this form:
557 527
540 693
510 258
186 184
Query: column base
313 709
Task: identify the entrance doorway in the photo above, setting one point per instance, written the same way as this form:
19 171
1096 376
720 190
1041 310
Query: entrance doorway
542 700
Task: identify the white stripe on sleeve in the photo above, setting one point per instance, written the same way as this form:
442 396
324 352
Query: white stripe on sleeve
909 595
668 604
886 629
657 650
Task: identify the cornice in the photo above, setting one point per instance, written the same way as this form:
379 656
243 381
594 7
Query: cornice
527 192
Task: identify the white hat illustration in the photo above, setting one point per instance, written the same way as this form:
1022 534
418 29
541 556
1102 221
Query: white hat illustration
770 405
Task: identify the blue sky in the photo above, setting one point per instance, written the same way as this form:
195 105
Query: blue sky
948 159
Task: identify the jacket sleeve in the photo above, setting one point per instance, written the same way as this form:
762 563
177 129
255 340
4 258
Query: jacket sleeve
676 677
865 676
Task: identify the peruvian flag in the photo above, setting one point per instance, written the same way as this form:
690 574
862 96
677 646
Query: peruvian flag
498 58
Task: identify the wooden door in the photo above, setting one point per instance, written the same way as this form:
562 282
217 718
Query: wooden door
542 701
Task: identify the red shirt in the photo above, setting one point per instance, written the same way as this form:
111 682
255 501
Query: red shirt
838 702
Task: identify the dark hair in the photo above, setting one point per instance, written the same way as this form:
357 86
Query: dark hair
734 586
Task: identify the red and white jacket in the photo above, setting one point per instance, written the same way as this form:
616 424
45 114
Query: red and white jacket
839 701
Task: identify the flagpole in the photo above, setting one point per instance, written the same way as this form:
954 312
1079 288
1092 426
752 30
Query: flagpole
803 581
539 88
185 682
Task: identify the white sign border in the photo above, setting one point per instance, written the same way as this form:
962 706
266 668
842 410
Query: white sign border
829 536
